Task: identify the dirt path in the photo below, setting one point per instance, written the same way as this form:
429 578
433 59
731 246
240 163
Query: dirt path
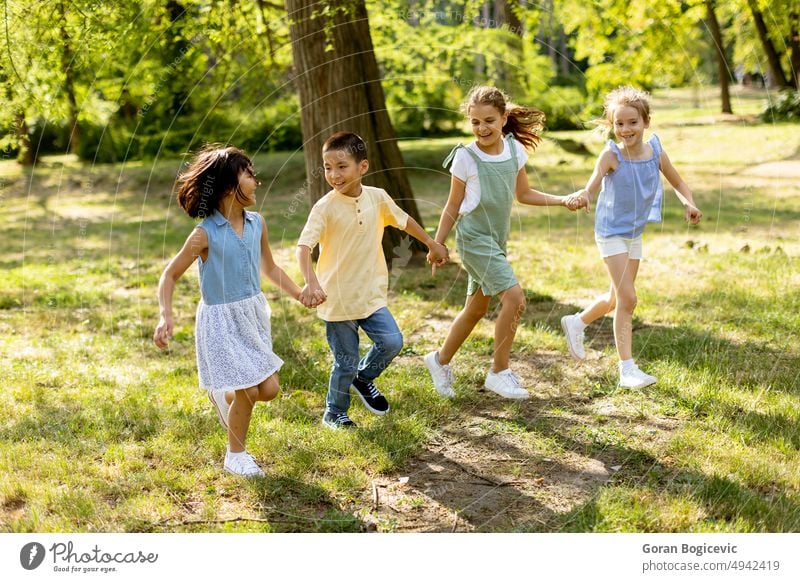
501 467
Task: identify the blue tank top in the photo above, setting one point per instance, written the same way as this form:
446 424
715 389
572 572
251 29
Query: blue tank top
631 195
232 270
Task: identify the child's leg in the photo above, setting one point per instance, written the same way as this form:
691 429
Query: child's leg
387 340
601 306
239 417
269 388
474 309
505 328
622 271
343 340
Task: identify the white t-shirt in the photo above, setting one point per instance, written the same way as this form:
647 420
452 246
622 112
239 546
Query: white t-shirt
465 169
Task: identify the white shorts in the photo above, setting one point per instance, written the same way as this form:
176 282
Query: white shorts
616 245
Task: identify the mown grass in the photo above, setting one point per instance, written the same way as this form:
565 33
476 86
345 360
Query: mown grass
102 432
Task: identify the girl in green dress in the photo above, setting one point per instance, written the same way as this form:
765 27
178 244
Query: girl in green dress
487 175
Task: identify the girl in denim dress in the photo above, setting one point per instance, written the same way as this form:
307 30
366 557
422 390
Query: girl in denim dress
235 361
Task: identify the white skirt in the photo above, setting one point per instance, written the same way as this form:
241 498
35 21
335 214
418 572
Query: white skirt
234 344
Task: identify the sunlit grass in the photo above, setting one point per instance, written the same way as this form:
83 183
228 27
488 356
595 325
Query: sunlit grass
102 432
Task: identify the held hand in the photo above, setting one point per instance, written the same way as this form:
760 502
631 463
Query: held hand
163 332
692 214
312 296
579 199
318 297
438 255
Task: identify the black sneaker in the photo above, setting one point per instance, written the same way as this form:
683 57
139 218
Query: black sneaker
337 420
374 401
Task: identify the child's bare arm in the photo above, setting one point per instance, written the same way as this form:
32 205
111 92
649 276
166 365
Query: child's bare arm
271 270
605 164
438 252
312 293
196 245
449 216
527 195
691 212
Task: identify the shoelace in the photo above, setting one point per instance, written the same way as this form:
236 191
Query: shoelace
373 392
342 418
448 372
513 379
246 464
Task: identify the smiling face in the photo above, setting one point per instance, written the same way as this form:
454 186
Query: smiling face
247 186
487 126
629 127
343 173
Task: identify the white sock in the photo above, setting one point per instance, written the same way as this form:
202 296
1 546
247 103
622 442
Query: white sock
232 454
626 365
579 322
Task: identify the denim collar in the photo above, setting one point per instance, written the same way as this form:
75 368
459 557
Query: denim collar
220 220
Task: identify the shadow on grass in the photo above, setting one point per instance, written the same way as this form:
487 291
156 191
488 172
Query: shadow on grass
723 500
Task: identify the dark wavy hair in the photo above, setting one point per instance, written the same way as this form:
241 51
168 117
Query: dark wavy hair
211 175
526 123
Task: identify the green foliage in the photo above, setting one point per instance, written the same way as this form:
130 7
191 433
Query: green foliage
563 107
786 107
635 42
433 55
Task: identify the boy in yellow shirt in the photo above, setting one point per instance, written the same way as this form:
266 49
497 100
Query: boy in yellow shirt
351 277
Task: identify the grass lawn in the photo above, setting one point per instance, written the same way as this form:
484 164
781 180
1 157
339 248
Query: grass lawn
100 431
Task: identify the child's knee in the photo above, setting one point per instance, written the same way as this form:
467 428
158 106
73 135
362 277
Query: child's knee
268 389
393 344
515 299
626 300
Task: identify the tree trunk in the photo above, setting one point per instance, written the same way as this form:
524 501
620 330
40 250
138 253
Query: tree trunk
340 90
563 58
506 16
778 78
794 45
67 61
719 49
26 155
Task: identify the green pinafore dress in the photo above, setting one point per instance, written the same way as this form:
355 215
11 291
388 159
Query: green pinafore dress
482 234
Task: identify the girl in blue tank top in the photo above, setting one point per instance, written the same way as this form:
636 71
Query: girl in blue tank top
628 179
235 361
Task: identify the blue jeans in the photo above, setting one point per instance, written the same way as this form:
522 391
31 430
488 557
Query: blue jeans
342 336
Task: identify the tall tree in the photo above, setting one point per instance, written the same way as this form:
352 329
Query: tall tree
794 44
719 50
68 71
773 58
337 78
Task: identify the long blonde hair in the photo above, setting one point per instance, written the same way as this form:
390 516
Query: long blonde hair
526 123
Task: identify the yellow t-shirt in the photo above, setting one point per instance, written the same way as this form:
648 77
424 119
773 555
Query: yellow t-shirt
351 268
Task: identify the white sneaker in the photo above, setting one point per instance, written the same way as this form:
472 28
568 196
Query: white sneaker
242 464
633 377
442 376
506 384
221 405
573 329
